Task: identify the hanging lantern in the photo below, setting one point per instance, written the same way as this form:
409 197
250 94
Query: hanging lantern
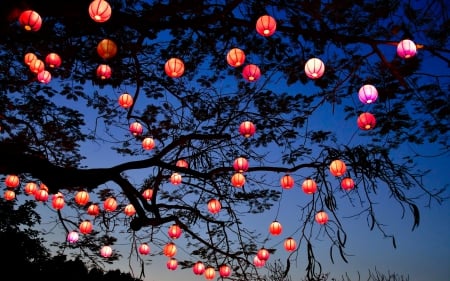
287 182
174 67
275 228
104 71
170 249
82 197
129 210
290 244
247 129
338 168
240 164
12 181
174 231
58 201
147 194
366 121
93 210
148 143
367 94
85 227
72 237
238 180
44 77
406 49
257 262
224 270
106 251
9 195
214 206
100 10
210 273
172 264
106 49
198 268
314 68
136 129
266 25
347 184
110 204
251 72
37 66
53 60
175 178
30 188
30 20
235 57
321 217
29 58
263 254
125 100
41 195
43 186
182 163
309 186
144 249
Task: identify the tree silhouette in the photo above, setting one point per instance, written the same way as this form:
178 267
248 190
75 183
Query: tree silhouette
302 124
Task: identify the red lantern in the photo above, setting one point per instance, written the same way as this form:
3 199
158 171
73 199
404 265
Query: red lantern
314 68
263 254
136 129
29 58
93 210
172 264
41 195
214 206
210 273
148 194
182 163
170 249
106 251
110 204
144 249
238 180
367 94
338 168
224 270
287 182
104 71
174 231
322 217
275 228
174 67
53 60
290 244
100 10
30 20
406 49
235 57
12 181
37 66
257 262
148 143
44 77
106 49
198 268
266 25
240 164
58 201
82 197
43 186
347 184
30 188
85 227
366 121
125 100
72 237
251 72
9 195
309 186
129 210
175 178
247 129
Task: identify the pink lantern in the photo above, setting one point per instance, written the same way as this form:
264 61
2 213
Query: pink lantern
44 77
104 71
144 249
172 264
321 217
136 128
73 237
148 143
235 57
258 262
175 179
367 94
366 121
314 68
224 270
198 268
240 164
53 60
263 254
100 10
266 25
251 72
347 184
247 129
406 49
106 251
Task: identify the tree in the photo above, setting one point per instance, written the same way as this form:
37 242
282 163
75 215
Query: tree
196 117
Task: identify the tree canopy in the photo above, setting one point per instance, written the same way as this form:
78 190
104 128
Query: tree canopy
302 124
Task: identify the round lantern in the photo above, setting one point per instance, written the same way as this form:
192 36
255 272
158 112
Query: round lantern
106 49
148 143
251 72
266 25
110 204
347 184
182 163
309 186
172 264
93 210
263 254
30 188
366 121
129 210
100 10
224 270
72 237
174 231
338 168
287 182
30 20
290 244
147 194
106 251
37 66
175 178
235 57
82 197
367 94
257 262
12 181
238 180
314 68
29 57
58 201
136 129
198 268
44 77
144 249
275 228
104 71
214 206
85 227
41 195
174 67
247 129
53 60
125 100
321 217
406 49
210 273
170 250
9 195
240 164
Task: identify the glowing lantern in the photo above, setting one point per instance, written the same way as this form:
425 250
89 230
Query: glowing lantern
104 71
367 94
53 60
251 72
174 67
366 121
125 100
174 231
41 195
29 57
214 206
30 20
148 194
172 264
198 268
347 184
12 181
309 186
290 244
82 197
73 236
170 249
322 217
238 180
144 249
93 210
266 25
224 270
37 66
175 178
110 204
406 49
314 68
30 188
106 49
106 251
44 77
275 228
148 143
100 10
136 128
85 227
263 254
58 201
338 168
257 262
210 273
43 186
129 210
182 164
287 182
235 57
247 129
240 164
9 195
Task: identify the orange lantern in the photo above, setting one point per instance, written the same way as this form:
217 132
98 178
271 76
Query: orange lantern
175 178
214 206
58 201
224 270
147 194
170 249
257 262
198 268
309 186
106 251
106 49
172 264
104 71
266 25
235 57
30 20
53 60
247 129
314 68
347 184
290 244
85 227
136 129
144 249
263 254
338 168
129 210
238 180
275 228
41 195
174 231
125 100
29 57
287 182
366 121
9 195
72 237
44 77
110 204
12 181
148 143
37 66
30 188
100 10
182 163
322 217
240 164
251 72
406 49
210 273
93 210
174 67
82 197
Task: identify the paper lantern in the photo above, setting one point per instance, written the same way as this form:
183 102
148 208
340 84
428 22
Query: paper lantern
93 210
175 178
224 270
148 143
37 66
85 227
100 10
174 231
366 121
251 72
198 268
30 188
44 77
263 254
129 210
110 204
58 201
144 249
53 60
321 217
406 49
367 94
214 206
30 20
104 71
238 180
9 195
41 195
170 249
347 184
287 182
247 129
182 163
82 197
210 273
12 181
174 67
314 68
106 251
257 262
72 237
125 100
147 194
266 25
29 58
338 168
235 57
136 129
106 49
275 228
309 186
240 164
290 244
172 264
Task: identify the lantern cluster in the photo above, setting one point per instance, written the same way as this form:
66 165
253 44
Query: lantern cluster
37 66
